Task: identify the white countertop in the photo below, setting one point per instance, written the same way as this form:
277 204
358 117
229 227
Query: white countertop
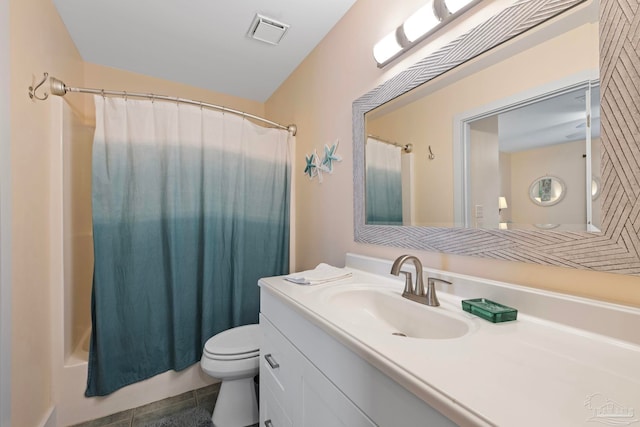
528 372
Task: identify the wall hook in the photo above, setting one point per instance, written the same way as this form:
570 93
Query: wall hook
32 90
431 155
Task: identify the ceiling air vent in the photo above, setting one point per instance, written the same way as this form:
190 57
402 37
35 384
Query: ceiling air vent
267 30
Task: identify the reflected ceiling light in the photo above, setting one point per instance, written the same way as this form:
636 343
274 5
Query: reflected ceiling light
386 48
420 23
455 5
433 15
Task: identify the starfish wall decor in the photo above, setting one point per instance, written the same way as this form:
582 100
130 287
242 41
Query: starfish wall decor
316 166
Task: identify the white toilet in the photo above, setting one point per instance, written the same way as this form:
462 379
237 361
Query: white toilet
233 356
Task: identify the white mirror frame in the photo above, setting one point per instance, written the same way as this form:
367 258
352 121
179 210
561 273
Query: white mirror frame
617 248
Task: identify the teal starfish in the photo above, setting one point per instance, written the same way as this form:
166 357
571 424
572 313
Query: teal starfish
311 166
330 156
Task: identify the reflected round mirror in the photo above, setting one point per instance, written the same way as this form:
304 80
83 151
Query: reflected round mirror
547 191
595 187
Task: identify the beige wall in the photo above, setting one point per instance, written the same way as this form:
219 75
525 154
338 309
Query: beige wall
39 42
318 97
76 140
5 217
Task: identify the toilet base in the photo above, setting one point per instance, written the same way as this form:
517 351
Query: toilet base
237 405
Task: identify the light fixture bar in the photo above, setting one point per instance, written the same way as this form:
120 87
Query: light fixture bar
420 25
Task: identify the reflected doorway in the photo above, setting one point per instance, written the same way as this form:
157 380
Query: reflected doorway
533 164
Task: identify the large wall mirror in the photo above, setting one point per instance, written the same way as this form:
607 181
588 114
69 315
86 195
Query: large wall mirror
492 146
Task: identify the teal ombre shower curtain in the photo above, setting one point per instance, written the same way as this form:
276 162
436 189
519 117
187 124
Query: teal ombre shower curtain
383 183
190 209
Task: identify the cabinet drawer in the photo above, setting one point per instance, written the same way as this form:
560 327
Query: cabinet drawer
279 363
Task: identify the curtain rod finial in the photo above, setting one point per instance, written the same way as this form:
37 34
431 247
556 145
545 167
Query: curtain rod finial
293 129
57 87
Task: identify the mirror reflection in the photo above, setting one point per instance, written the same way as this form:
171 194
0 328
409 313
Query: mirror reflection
595 187
547 191
387 177
523 116
539 145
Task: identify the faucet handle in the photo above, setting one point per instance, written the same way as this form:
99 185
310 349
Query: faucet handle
432 299
408 283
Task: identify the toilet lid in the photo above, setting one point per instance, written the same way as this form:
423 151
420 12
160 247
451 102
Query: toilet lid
235 341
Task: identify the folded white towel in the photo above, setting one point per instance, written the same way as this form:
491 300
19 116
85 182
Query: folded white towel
323 273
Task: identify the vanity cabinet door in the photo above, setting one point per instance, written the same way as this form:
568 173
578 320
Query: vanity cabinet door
324 405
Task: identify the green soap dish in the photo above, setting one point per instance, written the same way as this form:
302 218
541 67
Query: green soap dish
489 310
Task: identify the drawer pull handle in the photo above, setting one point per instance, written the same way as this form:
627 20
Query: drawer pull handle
268 423
272 362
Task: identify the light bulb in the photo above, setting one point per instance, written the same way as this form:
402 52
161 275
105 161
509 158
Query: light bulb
386 48
420 23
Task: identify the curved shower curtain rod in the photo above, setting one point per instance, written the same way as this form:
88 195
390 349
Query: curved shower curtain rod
407 148
60 89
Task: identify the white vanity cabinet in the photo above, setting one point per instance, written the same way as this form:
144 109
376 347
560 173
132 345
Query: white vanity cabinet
296 393
308 378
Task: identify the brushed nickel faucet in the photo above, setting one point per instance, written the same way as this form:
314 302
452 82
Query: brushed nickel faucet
417 293
409 291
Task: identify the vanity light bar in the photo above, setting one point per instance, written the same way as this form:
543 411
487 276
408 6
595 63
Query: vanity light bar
422 23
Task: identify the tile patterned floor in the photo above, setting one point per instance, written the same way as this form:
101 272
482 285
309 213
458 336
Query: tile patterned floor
204 397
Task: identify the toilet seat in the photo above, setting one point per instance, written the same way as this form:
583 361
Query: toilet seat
242 342
231 356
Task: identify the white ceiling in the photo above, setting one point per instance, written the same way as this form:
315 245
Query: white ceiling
555 120
203 43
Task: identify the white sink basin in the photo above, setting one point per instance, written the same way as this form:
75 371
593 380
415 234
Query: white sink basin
388 313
